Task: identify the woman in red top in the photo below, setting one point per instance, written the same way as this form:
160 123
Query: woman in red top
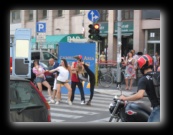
75 80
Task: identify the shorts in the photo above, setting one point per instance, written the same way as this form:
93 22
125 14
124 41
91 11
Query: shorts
59 82
39 80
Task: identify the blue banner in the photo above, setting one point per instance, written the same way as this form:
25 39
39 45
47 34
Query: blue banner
88 52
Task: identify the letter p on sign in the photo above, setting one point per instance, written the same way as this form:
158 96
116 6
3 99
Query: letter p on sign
41 27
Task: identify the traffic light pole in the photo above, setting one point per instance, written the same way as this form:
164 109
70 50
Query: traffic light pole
119 51
36 43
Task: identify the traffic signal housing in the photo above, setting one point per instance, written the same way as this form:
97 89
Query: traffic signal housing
94 31
91 31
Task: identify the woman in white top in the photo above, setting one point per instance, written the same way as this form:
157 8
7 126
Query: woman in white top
62 79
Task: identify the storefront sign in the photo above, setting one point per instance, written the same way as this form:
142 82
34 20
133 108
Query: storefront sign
126 27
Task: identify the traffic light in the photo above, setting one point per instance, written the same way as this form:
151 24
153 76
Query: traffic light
91 31
94 31
97 32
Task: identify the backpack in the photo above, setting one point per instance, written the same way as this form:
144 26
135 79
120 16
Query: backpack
156 82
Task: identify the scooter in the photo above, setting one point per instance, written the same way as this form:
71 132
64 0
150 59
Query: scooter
125 111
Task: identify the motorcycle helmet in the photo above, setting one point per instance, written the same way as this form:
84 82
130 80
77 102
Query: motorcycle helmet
145 62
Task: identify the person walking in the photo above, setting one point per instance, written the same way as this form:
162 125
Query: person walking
40 77
91 77
62 79
75 80
130 72
54 65
145 84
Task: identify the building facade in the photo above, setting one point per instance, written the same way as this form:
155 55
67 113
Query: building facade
140 28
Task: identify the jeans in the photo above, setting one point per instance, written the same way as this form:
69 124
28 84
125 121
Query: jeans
155 115
73 86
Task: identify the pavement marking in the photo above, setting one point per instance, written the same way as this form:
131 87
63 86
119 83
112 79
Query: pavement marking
84 107
73 111
101 120
57 120
65 115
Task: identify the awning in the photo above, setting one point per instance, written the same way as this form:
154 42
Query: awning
124 34
55 39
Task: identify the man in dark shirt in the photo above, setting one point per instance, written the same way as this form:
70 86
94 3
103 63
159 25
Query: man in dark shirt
145 84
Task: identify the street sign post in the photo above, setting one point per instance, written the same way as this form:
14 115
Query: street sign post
41 37
93 15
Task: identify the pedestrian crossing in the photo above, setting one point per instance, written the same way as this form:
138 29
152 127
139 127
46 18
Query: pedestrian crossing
97 112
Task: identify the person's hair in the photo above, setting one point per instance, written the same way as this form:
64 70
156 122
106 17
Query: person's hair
52 59
65 63
37 61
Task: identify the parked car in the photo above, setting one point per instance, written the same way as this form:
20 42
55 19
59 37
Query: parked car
43 56
27 104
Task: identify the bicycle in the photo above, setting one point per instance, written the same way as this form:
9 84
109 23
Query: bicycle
107 79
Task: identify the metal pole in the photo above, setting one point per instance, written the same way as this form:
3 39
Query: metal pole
36 43
119 50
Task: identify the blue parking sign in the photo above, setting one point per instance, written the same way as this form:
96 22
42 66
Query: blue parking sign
41 27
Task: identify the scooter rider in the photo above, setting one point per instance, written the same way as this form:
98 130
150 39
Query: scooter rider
145 84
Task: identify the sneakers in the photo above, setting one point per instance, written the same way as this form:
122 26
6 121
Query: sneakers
83 102
69 102
51 101
57 103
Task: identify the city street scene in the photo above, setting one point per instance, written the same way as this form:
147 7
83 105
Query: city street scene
88 66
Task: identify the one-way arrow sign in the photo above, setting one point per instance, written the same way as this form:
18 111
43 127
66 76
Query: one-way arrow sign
93 15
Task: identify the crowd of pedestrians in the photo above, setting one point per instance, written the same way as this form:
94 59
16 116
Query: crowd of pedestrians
63 74
76 74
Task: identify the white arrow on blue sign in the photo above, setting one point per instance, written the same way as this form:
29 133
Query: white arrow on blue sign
41 27
93 15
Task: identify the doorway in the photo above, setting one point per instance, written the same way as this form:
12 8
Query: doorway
152 48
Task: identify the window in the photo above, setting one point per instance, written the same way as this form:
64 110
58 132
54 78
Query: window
47 56
154 34
35 55
150 14
103 15
30 15
60 13
16 16
79 12
127 14
44 14
22 94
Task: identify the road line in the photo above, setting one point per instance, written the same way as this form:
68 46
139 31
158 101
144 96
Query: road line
72 111
65 115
